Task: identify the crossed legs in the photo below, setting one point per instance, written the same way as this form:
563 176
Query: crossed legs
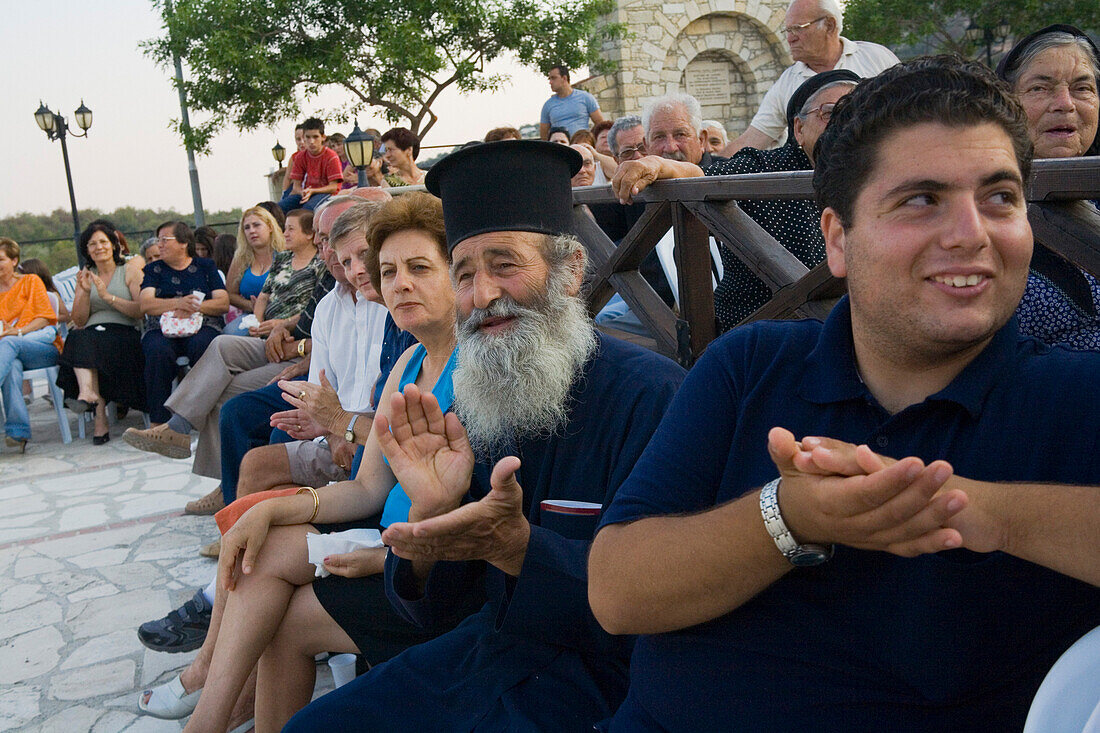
244 623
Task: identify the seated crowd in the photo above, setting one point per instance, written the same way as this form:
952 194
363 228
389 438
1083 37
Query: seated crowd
830 526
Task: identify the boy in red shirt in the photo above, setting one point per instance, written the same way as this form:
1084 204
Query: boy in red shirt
316 172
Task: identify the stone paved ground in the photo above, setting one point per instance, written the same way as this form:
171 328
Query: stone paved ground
93 542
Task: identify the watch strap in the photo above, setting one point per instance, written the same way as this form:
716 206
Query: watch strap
796 554
349 433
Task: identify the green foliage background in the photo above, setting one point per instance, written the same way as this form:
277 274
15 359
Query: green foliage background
937 26
49 236
251 63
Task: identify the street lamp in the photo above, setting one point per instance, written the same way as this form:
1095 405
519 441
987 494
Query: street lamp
988 37
56 127
360 149
279 154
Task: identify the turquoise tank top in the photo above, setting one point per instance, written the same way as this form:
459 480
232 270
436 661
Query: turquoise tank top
397 503
251 284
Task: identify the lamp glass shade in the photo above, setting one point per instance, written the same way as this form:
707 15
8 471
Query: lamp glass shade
278 152
44 118
83 116
1003 29
359 147
974 33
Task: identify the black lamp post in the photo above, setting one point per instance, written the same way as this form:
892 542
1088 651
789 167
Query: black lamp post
360 149
56 127
988 37
279 154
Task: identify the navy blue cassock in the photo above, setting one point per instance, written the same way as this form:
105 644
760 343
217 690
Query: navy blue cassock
534 657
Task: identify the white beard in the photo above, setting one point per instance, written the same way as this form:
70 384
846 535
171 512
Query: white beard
516 384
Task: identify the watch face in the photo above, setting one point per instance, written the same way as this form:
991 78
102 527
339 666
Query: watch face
809 555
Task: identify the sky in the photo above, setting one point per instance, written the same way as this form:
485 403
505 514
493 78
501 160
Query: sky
66 51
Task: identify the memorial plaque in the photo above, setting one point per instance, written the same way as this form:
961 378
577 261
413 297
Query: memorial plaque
708 81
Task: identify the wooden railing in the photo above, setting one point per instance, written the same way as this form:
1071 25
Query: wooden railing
698 208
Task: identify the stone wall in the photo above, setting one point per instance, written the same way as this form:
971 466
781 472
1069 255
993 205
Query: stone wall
726 52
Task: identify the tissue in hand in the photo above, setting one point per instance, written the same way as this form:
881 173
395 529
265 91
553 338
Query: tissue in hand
337 543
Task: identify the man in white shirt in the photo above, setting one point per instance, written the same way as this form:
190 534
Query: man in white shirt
347 342
813 30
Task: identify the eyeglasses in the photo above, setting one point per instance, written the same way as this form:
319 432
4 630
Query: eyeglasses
636 151
163 240
794 30
824 112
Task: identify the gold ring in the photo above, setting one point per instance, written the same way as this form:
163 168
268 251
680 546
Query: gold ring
302 395
298 427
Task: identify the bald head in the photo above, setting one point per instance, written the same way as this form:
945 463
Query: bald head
369 193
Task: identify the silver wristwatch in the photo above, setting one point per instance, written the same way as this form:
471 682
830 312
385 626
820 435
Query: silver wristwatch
799 555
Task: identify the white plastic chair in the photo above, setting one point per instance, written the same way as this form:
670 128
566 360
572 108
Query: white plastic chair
1068 701
65 282
50 375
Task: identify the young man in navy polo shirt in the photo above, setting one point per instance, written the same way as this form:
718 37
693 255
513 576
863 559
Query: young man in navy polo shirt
812 585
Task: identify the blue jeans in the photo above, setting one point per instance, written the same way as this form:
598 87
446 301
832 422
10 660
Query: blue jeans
19 353
245 423
292 201
234 328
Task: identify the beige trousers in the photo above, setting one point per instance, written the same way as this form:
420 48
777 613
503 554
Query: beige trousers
232 365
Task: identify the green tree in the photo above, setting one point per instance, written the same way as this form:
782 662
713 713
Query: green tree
938 26
252 62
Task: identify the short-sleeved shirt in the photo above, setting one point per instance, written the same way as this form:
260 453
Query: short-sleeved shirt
864 58
315 171
950 641
201 275
794 224
289 289
570 112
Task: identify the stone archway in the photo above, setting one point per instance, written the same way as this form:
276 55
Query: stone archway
668 35
723 83
727 62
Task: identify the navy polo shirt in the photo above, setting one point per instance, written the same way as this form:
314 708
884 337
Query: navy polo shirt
868 641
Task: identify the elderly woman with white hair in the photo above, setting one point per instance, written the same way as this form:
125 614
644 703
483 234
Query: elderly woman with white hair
1054 74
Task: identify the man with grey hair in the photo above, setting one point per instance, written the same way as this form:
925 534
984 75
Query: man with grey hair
549 419
626 138
793 223
347 344
813 30
674 129
716 139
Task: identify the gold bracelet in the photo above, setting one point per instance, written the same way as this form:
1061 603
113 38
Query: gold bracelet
316 502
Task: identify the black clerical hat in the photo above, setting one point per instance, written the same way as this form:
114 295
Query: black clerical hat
506 186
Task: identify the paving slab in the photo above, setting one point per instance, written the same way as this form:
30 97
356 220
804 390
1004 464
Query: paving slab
93 543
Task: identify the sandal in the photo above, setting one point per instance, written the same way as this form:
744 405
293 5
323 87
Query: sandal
169 701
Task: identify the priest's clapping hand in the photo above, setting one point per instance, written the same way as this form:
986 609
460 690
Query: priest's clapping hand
431 457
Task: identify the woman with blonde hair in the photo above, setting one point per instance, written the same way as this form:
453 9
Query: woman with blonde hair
259 237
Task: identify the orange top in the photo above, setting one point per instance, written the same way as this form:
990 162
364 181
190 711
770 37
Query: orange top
26 301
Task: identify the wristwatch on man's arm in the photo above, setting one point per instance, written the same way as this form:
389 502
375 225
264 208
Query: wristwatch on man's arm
798 555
